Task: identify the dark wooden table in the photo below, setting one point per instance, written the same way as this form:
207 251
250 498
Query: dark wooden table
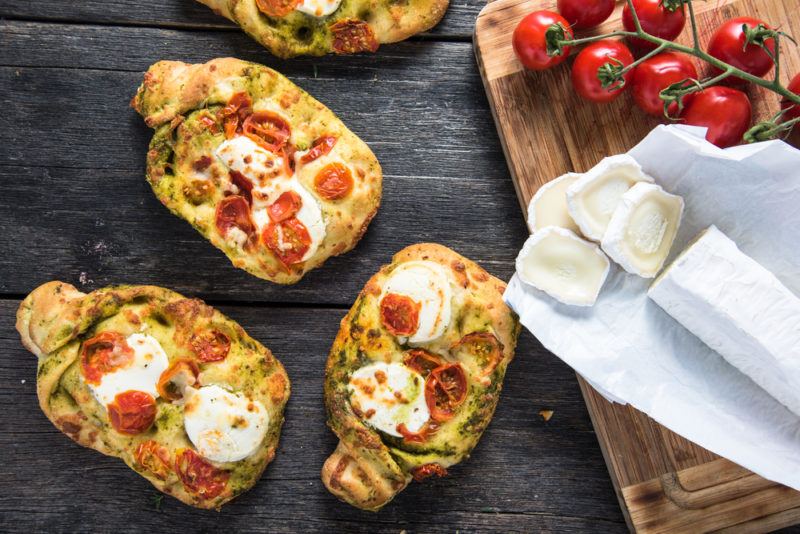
75 206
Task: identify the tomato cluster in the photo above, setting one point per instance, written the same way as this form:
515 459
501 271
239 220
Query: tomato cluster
606 68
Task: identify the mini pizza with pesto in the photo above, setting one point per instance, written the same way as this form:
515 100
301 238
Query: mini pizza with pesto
169 385
266 173
316 27
415 373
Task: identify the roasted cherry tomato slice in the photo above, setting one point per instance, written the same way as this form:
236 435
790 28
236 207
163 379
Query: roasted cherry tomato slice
268 129
234 212
210 345
289 240
132 412
725 111
655 74
199 476
484 347
587 64
351 36
102 354
400 314
428 470
153 458
445 390
277 8
585 14
793 110
177 377
657 18
244 185
334 181
234 113
319 148
530 40
422 436
728 44
286 206
422 361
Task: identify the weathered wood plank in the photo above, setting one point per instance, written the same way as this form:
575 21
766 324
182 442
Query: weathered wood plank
525 475
73 165
457 23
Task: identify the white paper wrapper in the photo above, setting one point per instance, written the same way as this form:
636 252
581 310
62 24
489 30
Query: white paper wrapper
632 351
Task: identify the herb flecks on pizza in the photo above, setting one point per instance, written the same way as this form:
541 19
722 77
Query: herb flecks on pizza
317 27
266 173
415 373
169 385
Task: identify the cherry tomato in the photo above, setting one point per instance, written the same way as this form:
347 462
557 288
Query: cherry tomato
287 205
725 111
105 352
656 19
132 412
484 347
585 14
210 345
244 185
269 130
428 429
422 361
319 148
793 109
289 240
728 44
653 75
181 374
334 181
400 314
586 66
351 36
199 476
277 8
445 391
153 458
235 113
428 470
234 212
530 40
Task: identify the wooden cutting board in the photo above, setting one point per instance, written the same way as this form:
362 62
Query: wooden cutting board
663 482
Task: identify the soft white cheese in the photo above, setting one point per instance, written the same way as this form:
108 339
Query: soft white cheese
642 229
223 426
739 309
319 8
386 395
566 267
548 207
242 154
592 199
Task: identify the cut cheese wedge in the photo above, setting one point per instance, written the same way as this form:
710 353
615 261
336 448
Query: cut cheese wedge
739 309
641 230
548 207
566 267
592 199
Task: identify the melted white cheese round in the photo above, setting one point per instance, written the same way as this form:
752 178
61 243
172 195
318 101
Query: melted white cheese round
319 8
223 426
426 283
242 154
387 395
141 374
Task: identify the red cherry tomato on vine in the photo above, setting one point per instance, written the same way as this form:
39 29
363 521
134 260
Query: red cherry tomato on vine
656 18
728 45
655 74
724 110
587 64
585 14
530 40
793 109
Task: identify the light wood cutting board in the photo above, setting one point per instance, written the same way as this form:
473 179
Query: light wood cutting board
664 482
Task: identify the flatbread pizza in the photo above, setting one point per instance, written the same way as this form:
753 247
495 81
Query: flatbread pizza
415 373
169 385
266 173
317 27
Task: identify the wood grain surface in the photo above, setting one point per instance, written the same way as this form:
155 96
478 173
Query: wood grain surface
75 206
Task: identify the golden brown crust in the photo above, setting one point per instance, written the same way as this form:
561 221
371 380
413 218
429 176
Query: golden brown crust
368 467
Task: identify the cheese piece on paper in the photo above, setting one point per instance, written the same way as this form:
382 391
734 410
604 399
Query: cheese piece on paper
566 267
592 199
739 309
641 230
548 207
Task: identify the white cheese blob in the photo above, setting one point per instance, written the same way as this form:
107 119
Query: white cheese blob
566 267
141 374
319 8
592 199
739 309
642 229
427 284
387 395
548 207
223 426
242 154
